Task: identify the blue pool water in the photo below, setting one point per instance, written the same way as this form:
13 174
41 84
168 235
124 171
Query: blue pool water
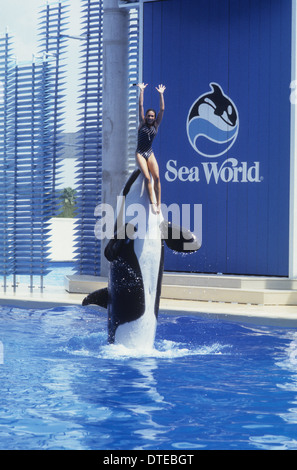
56 276
208 384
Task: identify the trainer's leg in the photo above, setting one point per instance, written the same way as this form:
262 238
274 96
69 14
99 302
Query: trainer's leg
143 165
154 170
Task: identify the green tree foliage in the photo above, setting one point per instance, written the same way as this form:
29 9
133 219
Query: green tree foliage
67 203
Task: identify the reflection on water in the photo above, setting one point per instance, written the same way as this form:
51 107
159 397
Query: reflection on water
289 363
286 359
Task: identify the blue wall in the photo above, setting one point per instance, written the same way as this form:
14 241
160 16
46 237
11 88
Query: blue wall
244 47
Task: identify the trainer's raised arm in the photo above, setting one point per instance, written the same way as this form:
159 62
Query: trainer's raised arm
160 89
142 87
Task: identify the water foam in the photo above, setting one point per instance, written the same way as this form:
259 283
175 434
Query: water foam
94 345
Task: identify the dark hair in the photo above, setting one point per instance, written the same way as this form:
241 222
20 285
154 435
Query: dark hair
151 110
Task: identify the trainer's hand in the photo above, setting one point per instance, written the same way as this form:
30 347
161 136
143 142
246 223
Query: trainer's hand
161 88
142 86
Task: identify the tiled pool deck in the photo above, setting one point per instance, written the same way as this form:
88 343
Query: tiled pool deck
56 295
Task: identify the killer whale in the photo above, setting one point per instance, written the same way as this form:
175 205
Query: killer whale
213 123
219 103
136 267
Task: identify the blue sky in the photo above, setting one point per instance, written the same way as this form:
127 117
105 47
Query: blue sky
21 18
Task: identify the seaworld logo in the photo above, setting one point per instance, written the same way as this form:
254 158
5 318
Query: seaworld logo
212 123
212 128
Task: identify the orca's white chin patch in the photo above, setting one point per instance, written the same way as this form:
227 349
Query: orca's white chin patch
139 334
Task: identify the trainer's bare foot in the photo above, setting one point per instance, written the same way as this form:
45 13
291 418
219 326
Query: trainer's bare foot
155 208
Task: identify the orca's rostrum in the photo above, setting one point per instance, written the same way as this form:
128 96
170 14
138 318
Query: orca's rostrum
136 268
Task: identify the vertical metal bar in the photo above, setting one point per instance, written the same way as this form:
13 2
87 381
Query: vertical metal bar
31 283
41 283
5 155
141 16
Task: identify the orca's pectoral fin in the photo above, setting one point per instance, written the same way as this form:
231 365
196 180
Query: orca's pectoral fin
99 297
178 238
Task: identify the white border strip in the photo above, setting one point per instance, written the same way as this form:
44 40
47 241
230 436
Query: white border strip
293 161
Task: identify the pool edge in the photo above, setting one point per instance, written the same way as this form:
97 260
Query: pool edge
261 314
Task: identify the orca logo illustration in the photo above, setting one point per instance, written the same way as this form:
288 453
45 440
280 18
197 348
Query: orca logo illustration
213 123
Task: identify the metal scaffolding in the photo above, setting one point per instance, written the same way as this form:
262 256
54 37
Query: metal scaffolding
30 120
89 167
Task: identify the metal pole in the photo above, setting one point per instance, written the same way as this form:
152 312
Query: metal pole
115 106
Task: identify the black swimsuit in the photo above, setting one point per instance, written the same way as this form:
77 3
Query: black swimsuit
146 136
